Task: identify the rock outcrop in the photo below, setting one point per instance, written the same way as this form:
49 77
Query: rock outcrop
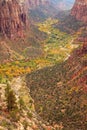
79 10
12 19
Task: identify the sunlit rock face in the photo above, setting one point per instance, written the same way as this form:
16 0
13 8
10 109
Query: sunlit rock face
79 10
12 19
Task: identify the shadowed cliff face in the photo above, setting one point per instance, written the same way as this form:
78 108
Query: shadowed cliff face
12 19
80 10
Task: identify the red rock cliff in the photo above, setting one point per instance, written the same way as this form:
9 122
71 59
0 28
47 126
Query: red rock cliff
12 19
79 10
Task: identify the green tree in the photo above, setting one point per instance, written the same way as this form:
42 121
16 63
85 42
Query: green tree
10 99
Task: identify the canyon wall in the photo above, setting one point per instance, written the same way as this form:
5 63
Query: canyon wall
79 10
12 19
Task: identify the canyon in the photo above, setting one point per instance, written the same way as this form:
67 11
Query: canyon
43 65
13 17
60 91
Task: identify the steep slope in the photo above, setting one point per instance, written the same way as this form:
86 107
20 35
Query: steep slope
60 92
16 32
7 54
79 10
12 26
12 19
24 117
41 9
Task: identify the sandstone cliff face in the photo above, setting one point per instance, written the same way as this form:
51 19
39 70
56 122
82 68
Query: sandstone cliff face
79 10
12 19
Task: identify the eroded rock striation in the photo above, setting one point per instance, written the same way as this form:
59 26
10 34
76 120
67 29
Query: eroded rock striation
12 19
79 10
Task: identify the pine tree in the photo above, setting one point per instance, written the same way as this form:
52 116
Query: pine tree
10 99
